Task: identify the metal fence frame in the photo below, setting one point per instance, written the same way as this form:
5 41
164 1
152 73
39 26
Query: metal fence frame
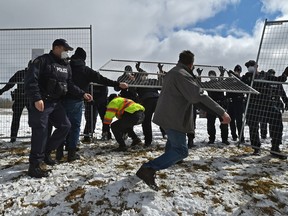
268 48
19 42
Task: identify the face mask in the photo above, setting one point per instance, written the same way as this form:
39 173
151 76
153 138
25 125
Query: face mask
251 69
64 55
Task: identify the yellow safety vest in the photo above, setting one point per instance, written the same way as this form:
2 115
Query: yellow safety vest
118 106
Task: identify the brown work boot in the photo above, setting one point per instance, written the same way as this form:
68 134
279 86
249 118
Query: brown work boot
147 174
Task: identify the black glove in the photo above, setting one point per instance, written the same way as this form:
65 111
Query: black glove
1 91
222 70
138 66
160 67
199 71
230 72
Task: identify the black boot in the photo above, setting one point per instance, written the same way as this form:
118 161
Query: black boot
72 155
191 143
48 160
147 174
256 152
275 152
36 172
60 153
136 141
121 148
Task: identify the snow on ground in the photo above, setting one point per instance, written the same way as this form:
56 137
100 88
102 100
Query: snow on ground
213 180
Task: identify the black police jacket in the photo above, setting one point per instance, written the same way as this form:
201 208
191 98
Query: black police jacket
50 78
17 78
261 101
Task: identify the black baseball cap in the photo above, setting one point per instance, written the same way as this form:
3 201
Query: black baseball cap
250 63
62 42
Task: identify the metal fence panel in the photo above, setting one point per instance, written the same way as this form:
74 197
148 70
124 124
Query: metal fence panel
18 47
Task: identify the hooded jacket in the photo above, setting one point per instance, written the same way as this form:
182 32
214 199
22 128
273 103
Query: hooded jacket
83 75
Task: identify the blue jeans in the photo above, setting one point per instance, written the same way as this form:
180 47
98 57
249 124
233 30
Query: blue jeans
176 149
73 108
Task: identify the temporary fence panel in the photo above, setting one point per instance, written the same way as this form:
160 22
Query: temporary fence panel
18 47
264 112
151 74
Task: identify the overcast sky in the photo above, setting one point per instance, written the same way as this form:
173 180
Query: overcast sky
219 32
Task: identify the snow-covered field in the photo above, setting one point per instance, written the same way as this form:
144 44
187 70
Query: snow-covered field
214 180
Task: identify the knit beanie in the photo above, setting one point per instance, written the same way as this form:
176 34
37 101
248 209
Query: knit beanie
80 53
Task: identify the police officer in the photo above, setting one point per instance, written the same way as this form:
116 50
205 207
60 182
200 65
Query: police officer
236 108
19 98
278 99
219 98
48 79
261 109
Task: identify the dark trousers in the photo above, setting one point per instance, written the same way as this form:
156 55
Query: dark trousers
263 129
41 142
91 112
212 130
125 125
17 109
235 110
271 116
149 105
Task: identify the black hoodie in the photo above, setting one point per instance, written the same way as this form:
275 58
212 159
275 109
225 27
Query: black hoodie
82 75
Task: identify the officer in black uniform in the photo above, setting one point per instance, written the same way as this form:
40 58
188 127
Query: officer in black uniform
19 98
236 108
261 109
219 97
278 99
48 79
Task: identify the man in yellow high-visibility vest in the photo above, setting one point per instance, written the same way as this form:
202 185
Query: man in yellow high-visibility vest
128 114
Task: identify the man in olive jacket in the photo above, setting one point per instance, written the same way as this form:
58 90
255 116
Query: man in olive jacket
174 113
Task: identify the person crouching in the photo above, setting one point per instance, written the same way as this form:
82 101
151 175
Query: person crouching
128 114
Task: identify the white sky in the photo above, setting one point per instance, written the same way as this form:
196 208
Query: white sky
152 30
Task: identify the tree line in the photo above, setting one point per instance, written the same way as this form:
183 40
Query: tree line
5 103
